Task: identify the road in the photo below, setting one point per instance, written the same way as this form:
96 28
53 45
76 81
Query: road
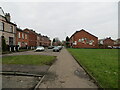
66 73
32 52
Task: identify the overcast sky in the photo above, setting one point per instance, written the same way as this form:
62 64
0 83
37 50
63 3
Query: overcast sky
61 19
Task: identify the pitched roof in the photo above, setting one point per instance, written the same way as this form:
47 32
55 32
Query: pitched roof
84 31
18 29
2 12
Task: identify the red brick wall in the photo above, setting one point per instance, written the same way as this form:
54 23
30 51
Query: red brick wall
83 34
20 39
108 42
32 38
46 41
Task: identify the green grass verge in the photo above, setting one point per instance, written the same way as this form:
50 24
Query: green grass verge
101 63
29 59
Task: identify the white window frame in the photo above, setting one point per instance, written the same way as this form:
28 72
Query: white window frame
1 26
11 28
80 40
23 35
19 35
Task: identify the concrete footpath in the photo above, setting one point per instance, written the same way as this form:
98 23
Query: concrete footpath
66 73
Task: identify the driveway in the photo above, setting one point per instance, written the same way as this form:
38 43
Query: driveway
66 73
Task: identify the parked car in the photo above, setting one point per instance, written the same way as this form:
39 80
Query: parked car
60 47
56 49
40 48
50 47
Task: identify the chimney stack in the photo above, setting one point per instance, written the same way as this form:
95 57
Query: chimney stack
7 15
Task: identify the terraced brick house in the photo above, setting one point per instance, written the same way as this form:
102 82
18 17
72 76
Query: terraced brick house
7 28
83 39
21 38
46 41
32 38
39 40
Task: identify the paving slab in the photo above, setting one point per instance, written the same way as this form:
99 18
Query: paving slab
13 82
25 68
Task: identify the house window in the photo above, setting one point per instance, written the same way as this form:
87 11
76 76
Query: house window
19 35
11 28
90 42
1 26
85 38
87 41
75 43
80 40
25 43
23 35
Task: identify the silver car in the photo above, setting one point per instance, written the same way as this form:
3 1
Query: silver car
40 48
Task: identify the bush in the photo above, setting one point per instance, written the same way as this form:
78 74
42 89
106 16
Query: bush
4 46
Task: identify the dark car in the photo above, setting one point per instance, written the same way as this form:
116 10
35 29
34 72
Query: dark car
56 49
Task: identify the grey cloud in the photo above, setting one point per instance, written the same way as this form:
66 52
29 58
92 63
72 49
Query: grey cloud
54 19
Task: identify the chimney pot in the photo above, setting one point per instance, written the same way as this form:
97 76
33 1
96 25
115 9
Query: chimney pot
7 15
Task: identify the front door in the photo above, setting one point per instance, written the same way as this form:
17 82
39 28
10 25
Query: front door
10 40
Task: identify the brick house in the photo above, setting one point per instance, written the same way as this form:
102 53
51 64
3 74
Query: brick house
7 28
83 39
106 43
46 41
117 43
39 40
21 38
32 37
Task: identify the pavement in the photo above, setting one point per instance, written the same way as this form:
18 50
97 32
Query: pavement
66 73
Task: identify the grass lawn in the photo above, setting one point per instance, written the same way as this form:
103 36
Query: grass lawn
101 63
29 59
